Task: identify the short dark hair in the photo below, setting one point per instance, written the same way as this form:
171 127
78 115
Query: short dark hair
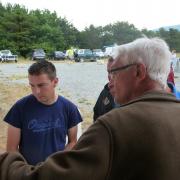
43 67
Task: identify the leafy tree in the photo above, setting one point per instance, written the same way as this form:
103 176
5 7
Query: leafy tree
91 38
174 39
107 35
15 26
148 33
45 31
70 33
123 32
21 31
171 37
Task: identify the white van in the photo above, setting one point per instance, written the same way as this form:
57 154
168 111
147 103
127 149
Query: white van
109 50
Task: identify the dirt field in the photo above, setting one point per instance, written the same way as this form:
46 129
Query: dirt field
9 94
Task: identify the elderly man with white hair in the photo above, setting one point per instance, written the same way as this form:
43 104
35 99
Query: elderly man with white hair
139 140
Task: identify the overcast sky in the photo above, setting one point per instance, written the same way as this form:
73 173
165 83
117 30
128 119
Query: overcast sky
150 14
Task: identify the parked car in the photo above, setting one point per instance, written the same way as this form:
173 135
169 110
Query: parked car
98 53
38 54
57 55
108 50
84 55
6 55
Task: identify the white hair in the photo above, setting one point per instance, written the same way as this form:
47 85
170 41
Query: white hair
153 53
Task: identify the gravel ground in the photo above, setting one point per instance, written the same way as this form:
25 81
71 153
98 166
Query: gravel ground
79 82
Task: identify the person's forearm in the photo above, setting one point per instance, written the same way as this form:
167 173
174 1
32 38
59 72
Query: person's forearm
12 149
2 151
65 165
69 146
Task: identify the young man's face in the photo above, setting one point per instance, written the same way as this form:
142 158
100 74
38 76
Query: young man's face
43 88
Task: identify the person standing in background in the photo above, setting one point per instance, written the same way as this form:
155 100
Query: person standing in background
173 59
105 101
171 87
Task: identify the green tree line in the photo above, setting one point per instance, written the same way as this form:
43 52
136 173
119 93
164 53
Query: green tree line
22 30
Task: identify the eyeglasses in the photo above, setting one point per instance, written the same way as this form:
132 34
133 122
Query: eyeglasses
113 71
120 68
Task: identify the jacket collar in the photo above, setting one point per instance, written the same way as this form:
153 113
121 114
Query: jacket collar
154 95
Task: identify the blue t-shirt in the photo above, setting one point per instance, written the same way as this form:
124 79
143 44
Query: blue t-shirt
43 127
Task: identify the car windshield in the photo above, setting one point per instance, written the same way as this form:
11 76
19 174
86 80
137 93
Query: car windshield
41 51
5 51
58 52
88 51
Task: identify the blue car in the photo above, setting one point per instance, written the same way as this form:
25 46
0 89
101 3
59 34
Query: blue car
84 55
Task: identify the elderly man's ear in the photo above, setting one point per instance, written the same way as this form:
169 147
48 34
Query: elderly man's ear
141 71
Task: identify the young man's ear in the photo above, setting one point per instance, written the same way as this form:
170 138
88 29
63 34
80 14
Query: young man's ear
56 80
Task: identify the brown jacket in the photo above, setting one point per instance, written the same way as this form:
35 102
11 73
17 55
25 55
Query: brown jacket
138 141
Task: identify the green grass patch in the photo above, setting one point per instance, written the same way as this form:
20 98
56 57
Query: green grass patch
24 60
82 100
178 55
